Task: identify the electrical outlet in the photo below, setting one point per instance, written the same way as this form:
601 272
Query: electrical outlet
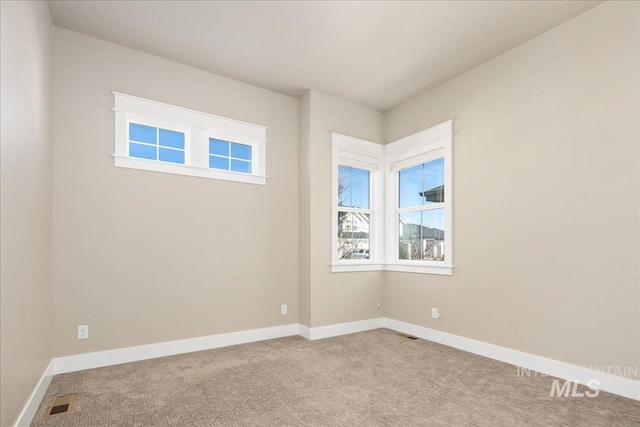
283 309
83 332
434 313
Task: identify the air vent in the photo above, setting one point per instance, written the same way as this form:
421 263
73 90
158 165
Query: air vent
59 409
61 405
411 337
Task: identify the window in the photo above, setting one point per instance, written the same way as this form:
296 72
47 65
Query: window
164 138
357 205
417 213
421 211
230 156
146 142
354 213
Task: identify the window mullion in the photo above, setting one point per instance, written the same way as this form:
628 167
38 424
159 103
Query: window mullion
421 208
199 148
354 210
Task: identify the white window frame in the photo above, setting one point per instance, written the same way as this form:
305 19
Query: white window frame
384 162
357 153
416 149
198 127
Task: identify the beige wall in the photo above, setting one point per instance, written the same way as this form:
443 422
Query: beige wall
304 208
25 203
545 196
334 297
144 257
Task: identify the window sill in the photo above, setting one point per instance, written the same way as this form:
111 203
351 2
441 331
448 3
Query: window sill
443 270
177 169
355 266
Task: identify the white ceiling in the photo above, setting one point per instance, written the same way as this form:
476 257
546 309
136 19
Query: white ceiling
376 54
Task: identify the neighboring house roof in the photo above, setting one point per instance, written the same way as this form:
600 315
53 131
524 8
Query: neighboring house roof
436 194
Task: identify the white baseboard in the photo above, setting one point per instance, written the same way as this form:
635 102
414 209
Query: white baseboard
99 359
611 383
30 409
341 329
304 331
151 351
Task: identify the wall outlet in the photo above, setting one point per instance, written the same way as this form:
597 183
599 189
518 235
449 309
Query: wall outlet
435 314
83 332
283 309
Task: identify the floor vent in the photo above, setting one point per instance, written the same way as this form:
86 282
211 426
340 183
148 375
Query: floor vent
61 405
411 337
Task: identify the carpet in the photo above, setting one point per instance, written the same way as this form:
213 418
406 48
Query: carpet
374 378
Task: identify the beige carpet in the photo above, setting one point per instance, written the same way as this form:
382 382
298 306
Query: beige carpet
375 378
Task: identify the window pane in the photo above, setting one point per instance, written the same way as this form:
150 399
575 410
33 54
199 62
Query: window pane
169 138
422 184
422 235
353 187
240 151
353 235
218 147
219 163
142 151
142 133
173 156
240 166
344 185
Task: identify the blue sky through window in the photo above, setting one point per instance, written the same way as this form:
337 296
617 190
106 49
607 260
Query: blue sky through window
227 155
148 142
172 139
141 133
418 179
353 187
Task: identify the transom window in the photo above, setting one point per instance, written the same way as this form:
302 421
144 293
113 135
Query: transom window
158 137
231 156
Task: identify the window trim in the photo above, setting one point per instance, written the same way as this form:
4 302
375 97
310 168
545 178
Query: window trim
389 159
198 128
